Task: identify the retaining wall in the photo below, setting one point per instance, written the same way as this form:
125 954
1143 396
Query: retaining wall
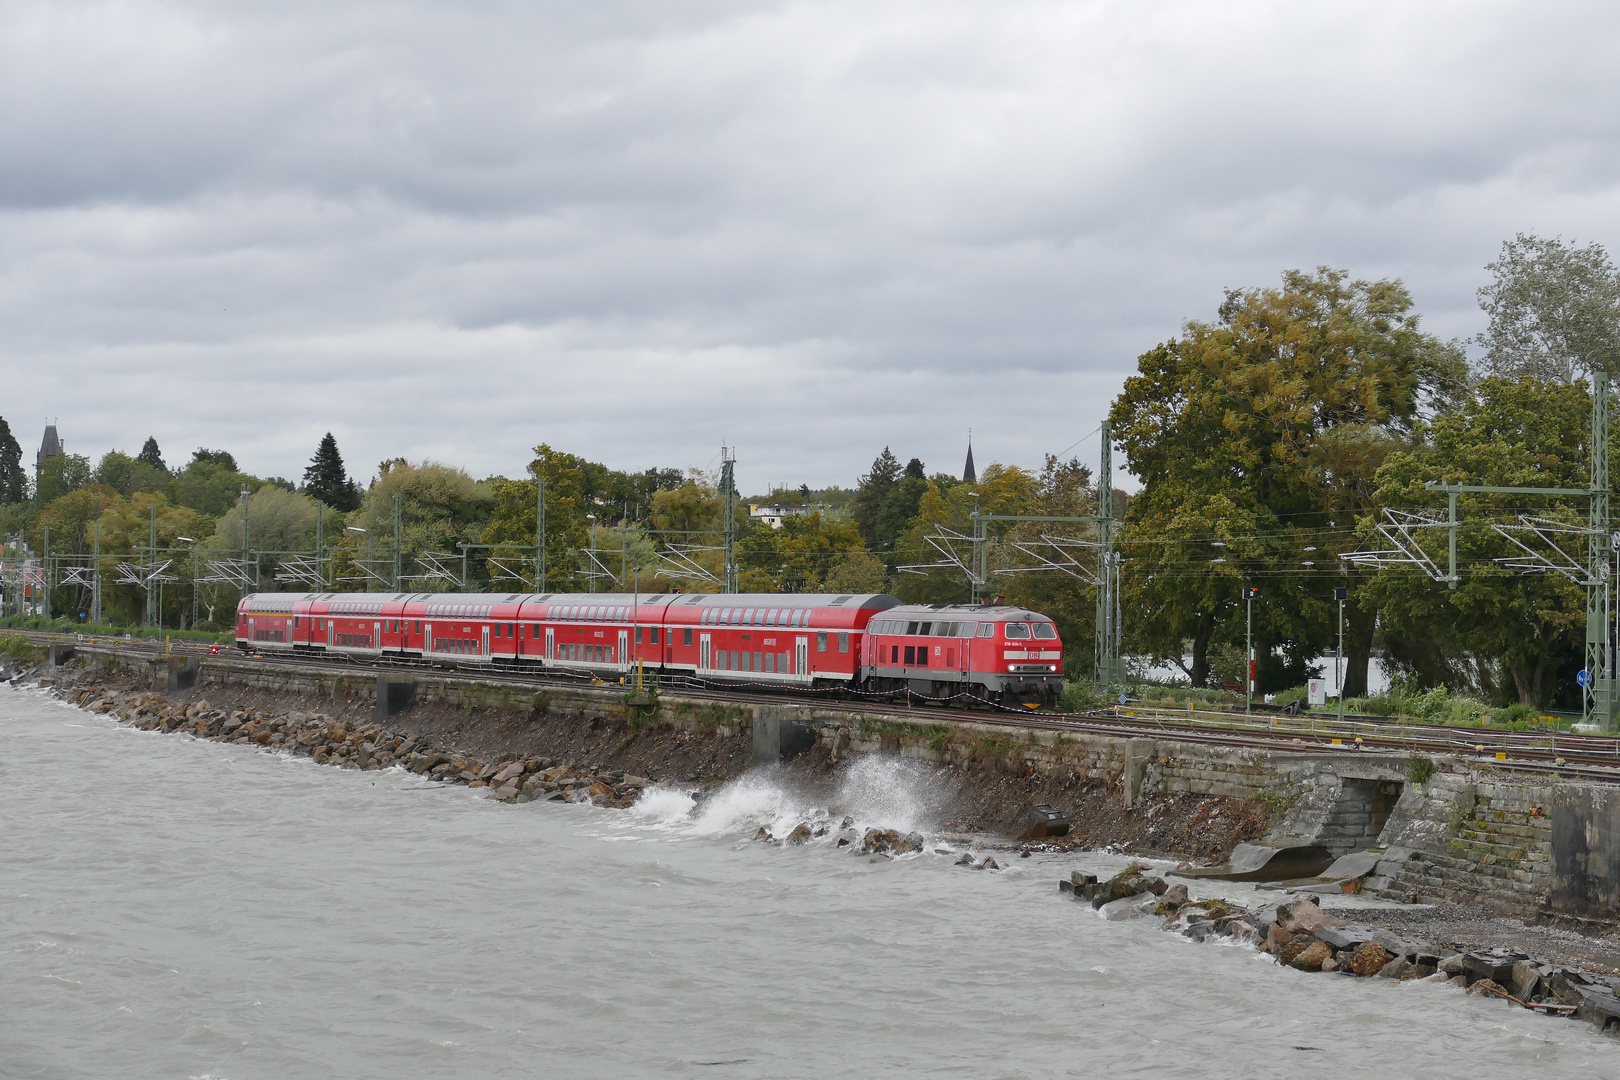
1468 834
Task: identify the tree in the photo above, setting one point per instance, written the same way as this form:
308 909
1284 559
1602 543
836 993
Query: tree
873 493
127 475
150 456
1554 311
1001 489
221 458
60 475
1255 438
13 477
328 481
1507 635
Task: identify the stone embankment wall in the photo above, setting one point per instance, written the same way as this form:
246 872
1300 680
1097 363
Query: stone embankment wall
1467 833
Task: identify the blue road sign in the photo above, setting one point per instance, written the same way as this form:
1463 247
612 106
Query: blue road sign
1583 678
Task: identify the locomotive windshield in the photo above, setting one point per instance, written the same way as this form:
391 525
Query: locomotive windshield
1045 631
1017 630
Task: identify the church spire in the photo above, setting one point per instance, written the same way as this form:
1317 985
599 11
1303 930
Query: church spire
969 474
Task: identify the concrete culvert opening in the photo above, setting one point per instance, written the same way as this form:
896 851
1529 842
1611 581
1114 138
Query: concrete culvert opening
1360 813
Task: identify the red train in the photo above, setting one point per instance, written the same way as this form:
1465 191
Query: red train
865 642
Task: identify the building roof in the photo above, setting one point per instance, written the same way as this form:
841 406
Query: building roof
968 472
51 446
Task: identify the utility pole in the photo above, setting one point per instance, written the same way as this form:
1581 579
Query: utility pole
151 556
397 532
247 583
1106 649
1600 678
1249 593
1341 594
592 519
728 490
46 566
539 532
95 580
320 549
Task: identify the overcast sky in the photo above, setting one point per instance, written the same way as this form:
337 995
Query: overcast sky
639 230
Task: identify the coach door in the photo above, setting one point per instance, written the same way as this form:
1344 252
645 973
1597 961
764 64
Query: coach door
427 638
376 635
551 645
485 653
801 657
705 653
624 650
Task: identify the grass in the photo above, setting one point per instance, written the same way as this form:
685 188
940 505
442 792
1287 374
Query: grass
68 626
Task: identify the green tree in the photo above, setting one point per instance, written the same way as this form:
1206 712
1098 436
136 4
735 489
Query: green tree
327 480
1001 489
1509 635
1260 432
1554 311
872 495
151 457
210 483
13 477
60 475
127 475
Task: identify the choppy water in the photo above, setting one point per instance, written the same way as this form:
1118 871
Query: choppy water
174 908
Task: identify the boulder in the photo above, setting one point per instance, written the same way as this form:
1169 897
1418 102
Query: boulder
1173 900
600 790
1312 957
1526 980
1496 965
1369 959
989 863
1331 963
634 783
1599 1008
1452 965
1277 939
800 834
1395 969
505 793
1488 987
1304 917
1126 907
511 772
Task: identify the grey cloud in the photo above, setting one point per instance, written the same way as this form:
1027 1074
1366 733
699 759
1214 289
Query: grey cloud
638 230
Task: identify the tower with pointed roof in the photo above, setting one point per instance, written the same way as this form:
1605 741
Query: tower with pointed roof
969 474
49 447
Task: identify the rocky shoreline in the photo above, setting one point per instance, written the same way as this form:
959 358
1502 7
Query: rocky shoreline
1303 936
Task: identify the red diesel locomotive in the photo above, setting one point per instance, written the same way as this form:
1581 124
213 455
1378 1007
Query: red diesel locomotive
868 642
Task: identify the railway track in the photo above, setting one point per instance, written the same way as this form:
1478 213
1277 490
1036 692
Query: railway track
1549 753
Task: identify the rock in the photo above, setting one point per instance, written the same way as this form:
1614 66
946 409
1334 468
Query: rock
505 793
600 790
1331 963
800 834
1395 968
532 786
1459 981
989 863
1304 917
1526 980
1126 907
511 772
1312 957
1453 965
1277 939
913 842
849 836
1598 1008
965 860
1369 959
635 783
878 841
764 834
1173 900
1488 987
1495 965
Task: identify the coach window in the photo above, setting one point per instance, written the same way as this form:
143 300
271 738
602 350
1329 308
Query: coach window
418 626
748 617
987 629
652 635
686 636
821 641
843 643
1018 630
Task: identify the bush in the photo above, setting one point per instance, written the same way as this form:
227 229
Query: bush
17 647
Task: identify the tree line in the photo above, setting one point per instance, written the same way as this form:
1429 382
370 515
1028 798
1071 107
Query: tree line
1268 441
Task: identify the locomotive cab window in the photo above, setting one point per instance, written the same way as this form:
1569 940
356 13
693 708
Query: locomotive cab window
1018 630
1045 631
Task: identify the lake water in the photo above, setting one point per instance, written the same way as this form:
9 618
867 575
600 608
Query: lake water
176 908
